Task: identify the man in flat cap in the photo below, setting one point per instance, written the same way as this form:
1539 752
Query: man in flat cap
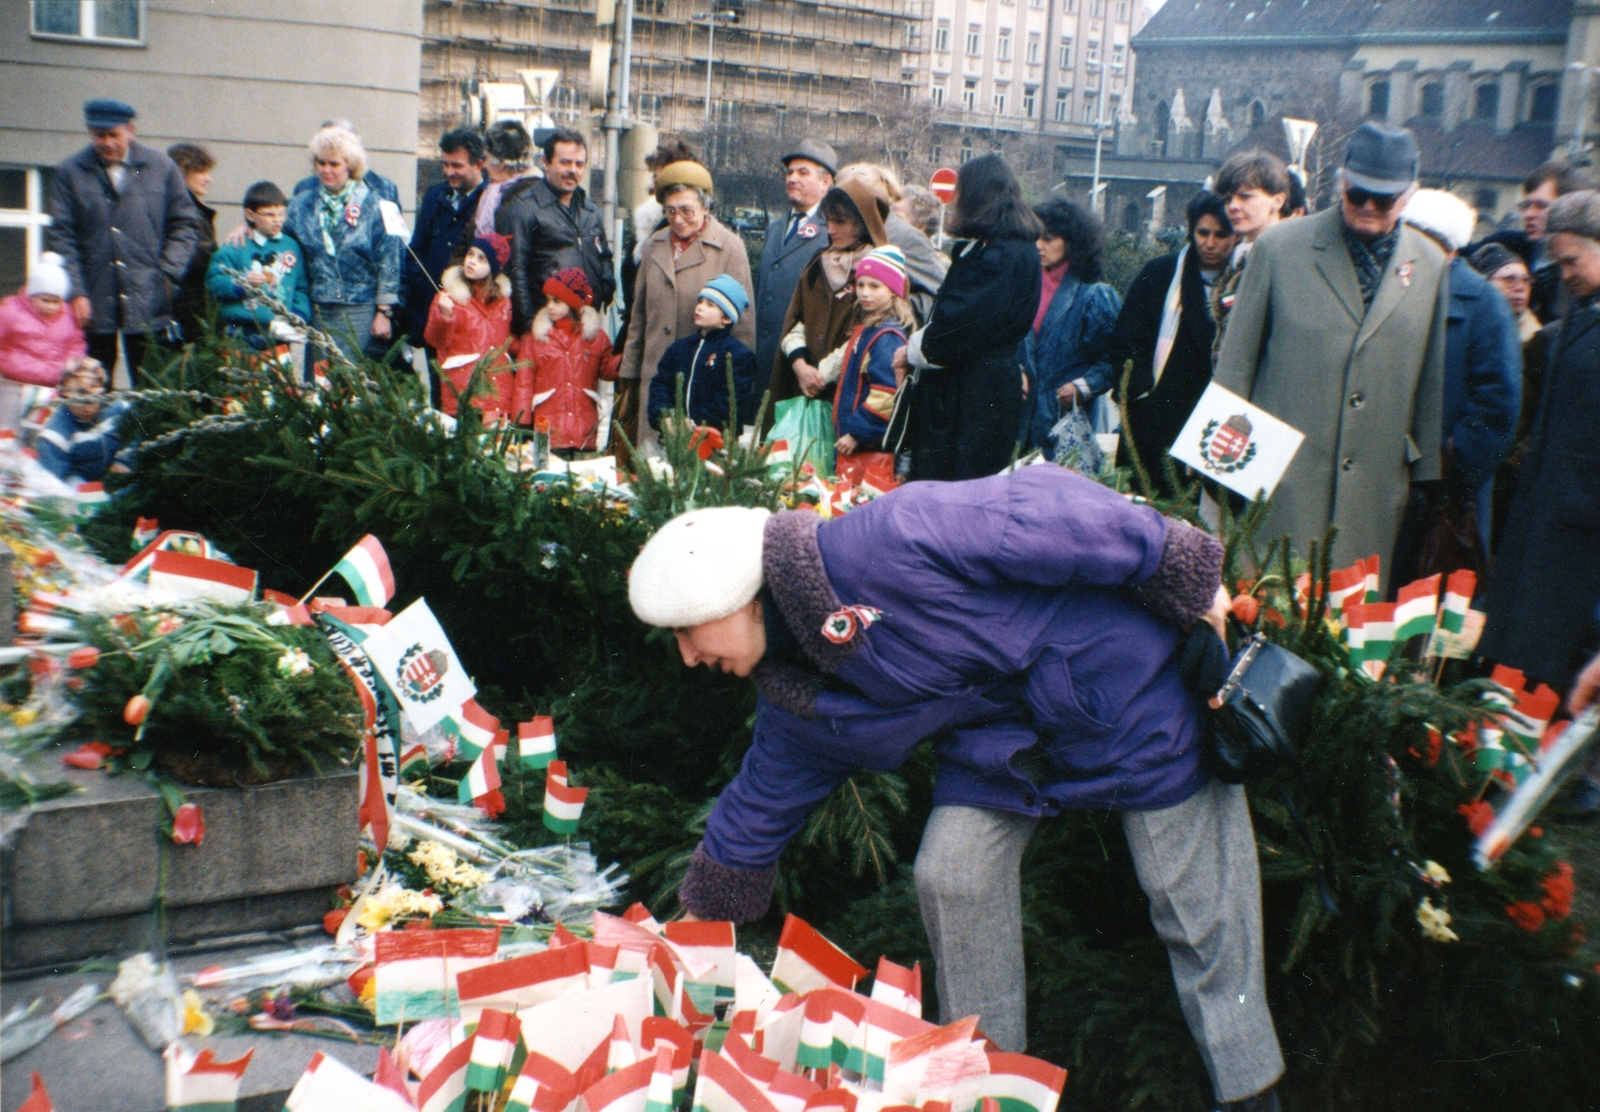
792 240
1339 329
124 224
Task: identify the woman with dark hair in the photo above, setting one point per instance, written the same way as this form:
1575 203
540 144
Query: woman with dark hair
1256 187
1166 329
966 385
823 311
1064 356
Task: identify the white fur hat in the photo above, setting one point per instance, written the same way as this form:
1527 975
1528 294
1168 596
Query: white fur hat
700 566
48 276
1443 215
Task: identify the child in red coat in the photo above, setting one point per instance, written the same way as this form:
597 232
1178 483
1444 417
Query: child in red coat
471 317
563 358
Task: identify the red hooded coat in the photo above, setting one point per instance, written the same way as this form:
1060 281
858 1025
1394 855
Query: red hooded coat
477 327
562 363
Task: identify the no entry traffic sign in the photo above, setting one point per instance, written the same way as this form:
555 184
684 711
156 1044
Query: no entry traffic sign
943 185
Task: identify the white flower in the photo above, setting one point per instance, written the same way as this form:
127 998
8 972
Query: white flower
1435 872
1435 922
295 662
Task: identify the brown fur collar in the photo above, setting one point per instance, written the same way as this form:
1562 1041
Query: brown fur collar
456 285
542 324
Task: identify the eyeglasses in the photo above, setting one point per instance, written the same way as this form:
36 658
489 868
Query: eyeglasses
1533 204
672 212
1358 198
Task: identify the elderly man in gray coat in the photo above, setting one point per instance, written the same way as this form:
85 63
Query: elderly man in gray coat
1339 329
792 241
124 224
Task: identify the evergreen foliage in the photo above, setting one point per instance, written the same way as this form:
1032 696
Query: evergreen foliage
530 581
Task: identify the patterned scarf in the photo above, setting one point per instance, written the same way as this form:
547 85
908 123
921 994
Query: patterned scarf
333 206
679 246
1371 259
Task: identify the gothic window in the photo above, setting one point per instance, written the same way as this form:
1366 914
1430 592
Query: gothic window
1258 114
1486 101
1378 99
1542 105
1430 102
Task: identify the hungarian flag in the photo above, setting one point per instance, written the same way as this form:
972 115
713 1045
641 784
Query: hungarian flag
1415 609
882 1027
1379 638
658 1031
328 1085
658 1097
415 972
366 568
474 728
536 742
563 804
445 1087
481 785
524 981
627 1090
145 530
620 1051
808 961
389 1075
291 611
492 1046
1355 633
200 1083
602 962
778 452
1458 592
39 1099
720 1087
1370 567
414 762
637 912
945 1060
1525 725
667 982
816 1034
1019 1083
714 944
92 494
899 987
544 1085
185 576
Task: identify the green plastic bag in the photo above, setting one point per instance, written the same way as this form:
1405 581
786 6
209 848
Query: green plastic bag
807 424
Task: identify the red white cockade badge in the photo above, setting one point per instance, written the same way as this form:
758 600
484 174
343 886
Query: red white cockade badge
841 625
1403 272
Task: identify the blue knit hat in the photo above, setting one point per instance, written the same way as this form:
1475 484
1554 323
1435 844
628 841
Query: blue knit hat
725 292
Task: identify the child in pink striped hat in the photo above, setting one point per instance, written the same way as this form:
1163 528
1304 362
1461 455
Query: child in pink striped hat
865 397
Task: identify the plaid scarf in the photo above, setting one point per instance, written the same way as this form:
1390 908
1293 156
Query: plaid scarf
333 206
1371 259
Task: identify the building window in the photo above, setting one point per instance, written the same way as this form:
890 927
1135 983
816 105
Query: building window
1035 48
999 104
913 34
1063 105
1486 201
1542 105
1486 101
1066 53
941 37
1258 114
1090 104
1091 53
966 150
974 40
935 153
969 94
1378 99
1003 46
1430 102
24 215
938 94
1097 8
110 21
1122 11
1117 56
1070 6
1039 4
1030 101
1132 219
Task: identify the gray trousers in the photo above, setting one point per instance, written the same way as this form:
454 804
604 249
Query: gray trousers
1197 864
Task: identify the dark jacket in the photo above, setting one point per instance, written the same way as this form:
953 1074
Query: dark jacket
1070 344
776 276
1157 411
967 404
433 240
1482 378
702 363
1545 583
189 305
82 449
1027 622
547 235
125 252
865 397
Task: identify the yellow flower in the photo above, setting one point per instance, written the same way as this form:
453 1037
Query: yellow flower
24 717
1436 872
397 903
442 867
1435 922
195 1019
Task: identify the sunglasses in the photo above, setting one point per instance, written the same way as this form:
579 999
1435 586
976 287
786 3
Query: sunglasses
1358 198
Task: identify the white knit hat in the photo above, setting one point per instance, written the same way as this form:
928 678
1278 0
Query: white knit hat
700 566
1443 215
48 276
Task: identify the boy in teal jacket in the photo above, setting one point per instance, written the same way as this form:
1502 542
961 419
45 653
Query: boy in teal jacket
268 261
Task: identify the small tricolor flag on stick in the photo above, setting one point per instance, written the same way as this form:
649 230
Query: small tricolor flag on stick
492 1046
1379 638
1458 592
807 961
444 1089
1370 567
145 530
1346 586
816 1034
522 982
536 742
200 1083
563 804
1023 1084
713 943
899 987
366 568
481 785
414 762
720 1087
186 576
415 971
1415 608
544 1085
658 1098
627 1090
473 727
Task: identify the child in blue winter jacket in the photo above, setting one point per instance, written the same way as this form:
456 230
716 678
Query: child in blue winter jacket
865 397
267 260
702 362
81 440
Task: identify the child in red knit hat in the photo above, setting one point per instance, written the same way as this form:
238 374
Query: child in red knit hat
563 358
471 317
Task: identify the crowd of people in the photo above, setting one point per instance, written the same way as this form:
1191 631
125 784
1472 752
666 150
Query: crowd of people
1447 390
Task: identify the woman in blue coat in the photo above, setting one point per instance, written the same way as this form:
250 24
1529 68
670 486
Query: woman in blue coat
1036 612
1065 352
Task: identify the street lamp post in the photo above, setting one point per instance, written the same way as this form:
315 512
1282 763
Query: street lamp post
711 47
1097 203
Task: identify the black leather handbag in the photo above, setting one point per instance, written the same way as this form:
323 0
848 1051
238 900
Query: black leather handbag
1261 710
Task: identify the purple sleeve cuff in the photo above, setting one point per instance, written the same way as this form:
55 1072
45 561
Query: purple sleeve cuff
1185 581
720 892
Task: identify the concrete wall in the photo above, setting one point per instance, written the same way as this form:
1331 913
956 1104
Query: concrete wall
249 79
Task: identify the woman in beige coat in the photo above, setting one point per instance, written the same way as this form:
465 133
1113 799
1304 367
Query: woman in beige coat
678 261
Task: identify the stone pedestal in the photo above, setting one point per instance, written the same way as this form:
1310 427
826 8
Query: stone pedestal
80 877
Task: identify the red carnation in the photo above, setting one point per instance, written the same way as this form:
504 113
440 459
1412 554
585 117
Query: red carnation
1479 815
334 919
1558 891
1527 915
705 440
89 755
1247 608
86 657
